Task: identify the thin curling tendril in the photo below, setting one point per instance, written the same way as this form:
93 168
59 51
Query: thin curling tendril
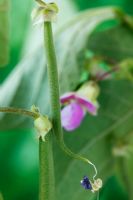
77 156
97 183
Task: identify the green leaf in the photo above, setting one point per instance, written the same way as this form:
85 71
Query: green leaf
20 22
115 43
19 162
124 162
4 32
71 41
126 69
115 188
128 166
124 4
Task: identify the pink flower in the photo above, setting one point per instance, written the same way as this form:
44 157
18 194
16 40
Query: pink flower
76 106
72 116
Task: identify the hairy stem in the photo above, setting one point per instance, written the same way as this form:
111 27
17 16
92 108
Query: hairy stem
19 111
47 186
53 80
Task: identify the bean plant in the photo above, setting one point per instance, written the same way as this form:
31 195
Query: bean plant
74 91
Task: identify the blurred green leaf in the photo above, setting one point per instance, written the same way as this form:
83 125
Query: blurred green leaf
20 22
126 69
4 32
128 166
124 164
19 165
126 5
115 43
113 187
72 41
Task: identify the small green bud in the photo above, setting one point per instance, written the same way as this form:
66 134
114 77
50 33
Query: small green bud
43 126
45 12
96 185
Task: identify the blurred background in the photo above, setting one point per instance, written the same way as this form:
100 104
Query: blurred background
19 148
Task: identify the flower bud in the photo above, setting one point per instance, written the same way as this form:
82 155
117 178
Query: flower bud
45 12
90 91
96 185
43 126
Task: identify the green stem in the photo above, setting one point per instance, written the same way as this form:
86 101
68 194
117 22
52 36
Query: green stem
19 111
54 93
53 80
47 186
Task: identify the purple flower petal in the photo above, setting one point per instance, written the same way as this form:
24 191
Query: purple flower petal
92 108
67 97
86 183
72 116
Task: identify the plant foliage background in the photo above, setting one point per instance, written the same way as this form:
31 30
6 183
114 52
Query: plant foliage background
24 82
